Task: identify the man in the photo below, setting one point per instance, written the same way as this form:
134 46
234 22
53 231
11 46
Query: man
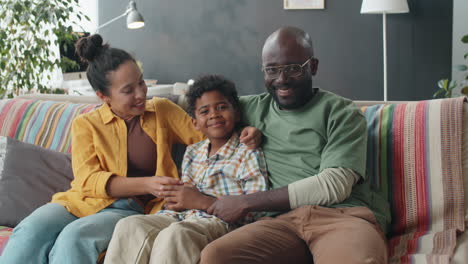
315 147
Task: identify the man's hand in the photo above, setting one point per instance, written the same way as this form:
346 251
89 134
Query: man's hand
187 196
251 136
229 208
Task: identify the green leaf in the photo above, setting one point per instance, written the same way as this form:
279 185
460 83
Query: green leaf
464 39
18 7
466 55
448 94
452 85
464 90
438 93
442 83
461 67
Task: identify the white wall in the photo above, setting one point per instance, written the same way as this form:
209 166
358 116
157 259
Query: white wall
459 49
89 8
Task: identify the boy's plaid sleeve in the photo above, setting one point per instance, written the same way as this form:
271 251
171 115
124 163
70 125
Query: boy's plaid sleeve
254 174
254 177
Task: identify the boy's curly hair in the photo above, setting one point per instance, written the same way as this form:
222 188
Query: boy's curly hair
212 82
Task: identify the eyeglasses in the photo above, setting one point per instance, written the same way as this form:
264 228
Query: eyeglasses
290 70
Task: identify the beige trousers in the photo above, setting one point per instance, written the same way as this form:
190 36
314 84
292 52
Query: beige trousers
161 239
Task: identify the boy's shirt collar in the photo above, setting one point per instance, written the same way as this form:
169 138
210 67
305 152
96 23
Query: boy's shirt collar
225 152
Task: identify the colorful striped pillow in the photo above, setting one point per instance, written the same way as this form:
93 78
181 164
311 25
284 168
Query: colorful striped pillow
43 123
414 158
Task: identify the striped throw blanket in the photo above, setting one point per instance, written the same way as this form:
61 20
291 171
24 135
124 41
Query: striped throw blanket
43 123
414 157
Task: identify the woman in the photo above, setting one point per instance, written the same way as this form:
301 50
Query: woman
120 158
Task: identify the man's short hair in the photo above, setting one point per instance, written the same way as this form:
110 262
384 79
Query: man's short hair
212 82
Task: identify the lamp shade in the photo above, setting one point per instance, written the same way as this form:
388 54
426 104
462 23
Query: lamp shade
384 6
134 18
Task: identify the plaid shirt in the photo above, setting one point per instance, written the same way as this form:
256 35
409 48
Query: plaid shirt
233 170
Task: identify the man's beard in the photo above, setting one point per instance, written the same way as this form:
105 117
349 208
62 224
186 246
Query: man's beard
303 92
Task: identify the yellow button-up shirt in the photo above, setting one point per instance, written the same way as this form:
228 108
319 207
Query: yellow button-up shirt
99 150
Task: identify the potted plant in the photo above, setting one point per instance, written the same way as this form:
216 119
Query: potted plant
30 30
446 86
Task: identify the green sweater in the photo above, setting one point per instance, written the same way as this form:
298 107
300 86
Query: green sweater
327 132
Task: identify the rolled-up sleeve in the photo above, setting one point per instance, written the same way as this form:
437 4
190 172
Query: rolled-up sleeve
329 187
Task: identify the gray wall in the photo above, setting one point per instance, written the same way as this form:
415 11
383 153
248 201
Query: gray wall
460 28
185 38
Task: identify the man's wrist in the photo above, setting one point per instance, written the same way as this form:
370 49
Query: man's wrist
248 203
207 201
272 200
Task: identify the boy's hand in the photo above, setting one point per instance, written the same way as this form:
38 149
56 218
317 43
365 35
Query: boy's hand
251 136
229 208
187 196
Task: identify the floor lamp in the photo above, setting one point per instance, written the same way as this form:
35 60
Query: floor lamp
384 7
134 18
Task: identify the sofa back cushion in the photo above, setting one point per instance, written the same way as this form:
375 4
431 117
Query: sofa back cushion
29 176
43 123
415 160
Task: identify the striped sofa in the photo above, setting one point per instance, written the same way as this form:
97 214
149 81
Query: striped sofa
417 157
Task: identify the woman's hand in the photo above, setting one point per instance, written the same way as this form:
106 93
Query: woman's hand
251 136
187 196
118 186
157 185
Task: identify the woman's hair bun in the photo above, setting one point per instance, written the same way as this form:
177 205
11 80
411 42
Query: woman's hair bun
88 48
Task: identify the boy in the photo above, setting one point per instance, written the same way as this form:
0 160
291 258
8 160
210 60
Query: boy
217 166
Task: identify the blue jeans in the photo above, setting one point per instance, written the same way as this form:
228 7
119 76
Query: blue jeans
53 235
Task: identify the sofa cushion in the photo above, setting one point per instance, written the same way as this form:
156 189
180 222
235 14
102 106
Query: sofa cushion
414 158
43 123
29 176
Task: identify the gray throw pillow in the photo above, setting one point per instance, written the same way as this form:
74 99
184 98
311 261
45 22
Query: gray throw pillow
29 176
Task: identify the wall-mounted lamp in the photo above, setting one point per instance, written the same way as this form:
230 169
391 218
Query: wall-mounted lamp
134 18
